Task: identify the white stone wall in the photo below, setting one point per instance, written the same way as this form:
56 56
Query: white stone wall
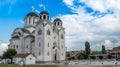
39 49
30 60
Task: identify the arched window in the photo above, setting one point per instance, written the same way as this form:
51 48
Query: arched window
48 53
61 36
44 16
48 44
48 32
39 53
14 46
17 46
39 32
58 23
54 45
40 17
48 17
26 46
34 20
29 20
39 44
55 23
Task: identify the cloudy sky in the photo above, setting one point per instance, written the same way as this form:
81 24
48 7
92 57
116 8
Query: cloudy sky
96 21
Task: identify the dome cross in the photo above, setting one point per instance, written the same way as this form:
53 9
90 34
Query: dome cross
33 8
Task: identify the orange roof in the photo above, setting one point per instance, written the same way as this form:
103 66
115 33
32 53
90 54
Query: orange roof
22 55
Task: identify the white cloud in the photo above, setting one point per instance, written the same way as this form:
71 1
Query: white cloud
102 5
82 26
3 47
68 2
41 5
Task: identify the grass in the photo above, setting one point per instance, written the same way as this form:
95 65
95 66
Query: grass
13 65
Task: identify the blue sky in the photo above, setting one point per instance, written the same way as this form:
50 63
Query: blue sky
96 21
12 12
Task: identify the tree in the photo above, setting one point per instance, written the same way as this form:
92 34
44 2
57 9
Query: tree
9 54
81 55
87 49
103 50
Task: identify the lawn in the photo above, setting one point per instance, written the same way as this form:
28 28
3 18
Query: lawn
13 65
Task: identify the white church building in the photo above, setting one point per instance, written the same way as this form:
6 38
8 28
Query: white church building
41 37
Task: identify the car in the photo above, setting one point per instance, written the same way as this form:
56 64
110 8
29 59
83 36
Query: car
118 58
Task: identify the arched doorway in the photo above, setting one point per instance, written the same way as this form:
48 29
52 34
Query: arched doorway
55 55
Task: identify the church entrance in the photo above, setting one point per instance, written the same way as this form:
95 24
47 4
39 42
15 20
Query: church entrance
55 55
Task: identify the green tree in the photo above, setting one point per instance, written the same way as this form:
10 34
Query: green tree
87 49
103 50
9 54
81 55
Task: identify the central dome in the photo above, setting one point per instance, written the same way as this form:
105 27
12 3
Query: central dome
44 15
44 12
32 14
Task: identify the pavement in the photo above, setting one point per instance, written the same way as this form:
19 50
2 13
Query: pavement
93 63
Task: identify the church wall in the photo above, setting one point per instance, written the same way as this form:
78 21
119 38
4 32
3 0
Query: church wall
55 41
39 43
62 45
48 43
15 44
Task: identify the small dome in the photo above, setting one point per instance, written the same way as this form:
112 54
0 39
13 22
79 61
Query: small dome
31 14
44 12
57 22
57 19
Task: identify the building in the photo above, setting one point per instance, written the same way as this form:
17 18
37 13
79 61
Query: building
115 52
26 59
41 37
72 54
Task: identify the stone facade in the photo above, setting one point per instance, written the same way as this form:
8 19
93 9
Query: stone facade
41 37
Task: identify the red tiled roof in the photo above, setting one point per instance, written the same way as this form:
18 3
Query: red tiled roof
22 55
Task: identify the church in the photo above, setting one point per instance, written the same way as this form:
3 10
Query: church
40 37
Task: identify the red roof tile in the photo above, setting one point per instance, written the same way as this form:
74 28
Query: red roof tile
22 55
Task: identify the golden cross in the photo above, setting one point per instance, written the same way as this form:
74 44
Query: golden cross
33 8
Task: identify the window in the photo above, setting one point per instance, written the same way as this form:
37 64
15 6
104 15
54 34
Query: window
48 32
54 37
55 23
17 46
39 32
61 36
29 20
40 17
26 46
39 44
58 23
62 54
48 44
30 58
44 17
48 53
48 17
39 53
14 46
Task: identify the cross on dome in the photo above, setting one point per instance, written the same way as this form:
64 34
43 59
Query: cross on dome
33 8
